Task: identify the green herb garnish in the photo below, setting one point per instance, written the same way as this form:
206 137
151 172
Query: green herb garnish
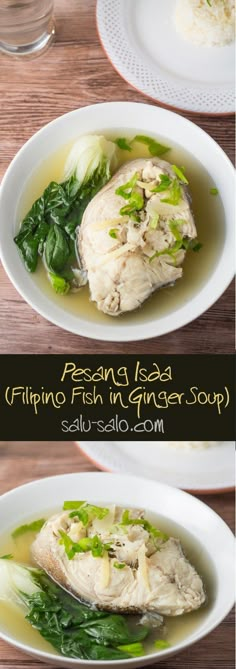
168 251
86 512
214 191
123 144
136 203
175 194
126 520
72 505
125 190
174 227
113 233
154 147
35 526
93 544
179 173
192 245
165 183
161 644
154 221
119 565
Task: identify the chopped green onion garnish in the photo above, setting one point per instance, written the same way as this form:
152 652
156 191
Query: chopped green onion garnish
86 512
31 527
154 221
72 505
175 194
214 191
170 252
161 644
123 144
192 245
126 520
174 227
155 148
113 233
119 565
126 190
134 649
93 544
164 184
179 174
9 556
136 203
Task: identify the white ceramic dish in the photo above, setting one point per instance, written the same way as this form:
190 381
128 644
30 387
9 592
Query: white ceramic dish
142 44
111 116
205 470
197 518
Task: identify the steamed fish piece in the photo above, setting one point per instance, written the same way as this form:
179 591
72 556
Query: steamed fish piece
136 569
130 254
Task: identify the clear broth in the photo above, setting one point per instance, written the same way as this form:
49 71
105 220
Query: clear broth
177 628
209 217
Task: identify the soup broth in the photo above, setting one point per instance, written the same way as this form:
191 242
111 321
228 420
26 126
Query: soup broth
209 218
12 620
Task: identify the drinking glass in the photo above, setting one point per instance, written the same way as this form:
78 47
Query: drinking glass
26 26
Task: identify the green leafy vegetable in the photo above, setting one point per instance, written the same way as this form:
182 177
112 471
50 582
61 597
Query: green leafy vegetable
57 250
89 155
123 144
49 228
60 285
35 526
214 191
165 182
113 233
175 194
73 629
126 520
154 147
161 644
179 173
119 565
134 649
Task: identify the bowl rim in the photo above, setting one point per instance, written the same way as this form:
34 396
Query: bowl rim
179 647
214 286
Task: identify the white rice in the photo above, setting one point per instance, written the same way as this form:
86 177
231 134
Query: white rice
189 444
208 25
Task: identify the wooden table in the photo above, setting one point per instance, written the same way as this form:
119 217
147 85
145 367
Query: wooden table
73 73
23 462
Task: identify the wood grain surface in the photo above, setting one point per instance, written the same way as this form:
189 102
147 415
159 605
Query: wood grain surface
23 462
73 73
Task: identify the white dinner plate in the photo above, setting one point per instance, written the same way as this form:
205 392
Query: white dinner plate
203 470
140 40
